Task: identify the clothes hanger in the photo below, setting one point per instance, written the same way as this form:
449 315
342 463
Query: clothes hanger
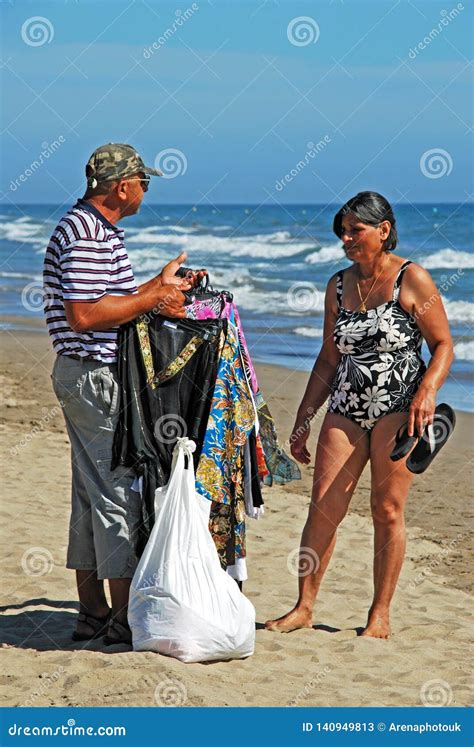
204 291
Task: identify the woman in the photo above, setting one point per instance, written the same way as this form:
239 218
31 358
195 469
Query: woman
377 312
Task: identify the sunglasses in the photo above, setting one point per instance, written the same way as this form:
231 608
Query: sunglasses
144 182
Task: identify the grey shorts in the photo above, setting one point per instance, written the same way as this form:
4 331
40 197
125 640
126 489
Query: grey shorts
106 512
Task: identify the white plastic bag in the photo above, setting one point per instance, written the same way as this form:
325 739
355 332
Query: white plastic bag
182 603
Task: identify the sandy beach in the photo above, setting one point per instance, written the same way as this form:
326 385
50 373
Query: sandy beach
425 661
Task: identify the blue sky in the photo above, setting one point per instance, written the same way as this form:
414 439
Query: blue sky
239 90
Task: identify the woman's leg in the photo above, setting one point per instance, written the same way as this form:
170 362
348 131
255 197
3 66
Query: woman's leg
390 484
342 453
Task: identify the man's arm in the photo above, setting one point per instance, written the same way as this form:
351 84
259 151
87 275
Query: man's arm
163 294
111 311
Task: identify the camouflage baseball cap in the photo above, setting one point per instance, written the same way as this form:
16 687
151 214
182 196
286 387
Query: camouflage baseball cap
115 161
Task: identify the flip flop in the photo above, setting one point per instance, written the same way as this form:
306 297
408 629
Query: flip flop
98 624
433 439
123 634
403 444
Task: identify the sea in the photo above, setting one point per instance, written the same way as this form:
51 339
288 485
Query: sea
275 259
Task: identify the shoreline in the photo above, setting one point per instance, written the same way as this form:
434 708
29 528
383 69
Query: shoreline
450 392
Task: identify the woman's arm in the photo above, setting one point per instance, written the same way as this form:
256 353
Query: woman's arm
320 380
420 296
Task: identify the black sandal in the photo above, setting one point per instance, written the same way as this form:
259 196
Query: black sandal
433 439
98 624
123 634
403 444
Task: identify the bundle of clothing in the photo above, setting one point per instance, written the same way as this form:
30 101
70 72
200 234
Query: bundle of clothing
194 377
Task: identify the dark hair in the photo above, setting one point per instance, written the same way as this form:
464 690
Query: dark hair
370 208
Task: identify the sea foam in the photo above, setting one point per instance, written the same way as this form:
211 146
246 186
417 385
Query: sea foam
330 253
464 351
448 258
272 246
22 230
309 331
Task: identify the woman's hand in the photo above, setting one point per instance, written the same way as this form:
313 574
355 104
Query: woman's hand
298 439
422 410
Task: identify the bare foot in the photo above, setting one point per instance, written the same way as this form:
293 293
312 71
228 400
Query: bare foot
378 626
294 620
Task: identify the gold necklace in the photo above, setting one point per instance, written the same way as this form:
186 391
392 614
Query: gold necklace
363 307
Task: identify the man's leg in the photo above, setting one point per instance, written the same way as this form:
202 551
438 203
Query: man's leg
105 511
91 594
119 591
92 600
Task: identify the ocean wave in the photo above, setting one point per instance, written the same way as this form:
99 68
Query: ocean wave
246 295
464 351
271 246
20 275
275 237
148 261
240 282
448 258
309 331
147 233
132 231
180 229
330 253
459 311
22 230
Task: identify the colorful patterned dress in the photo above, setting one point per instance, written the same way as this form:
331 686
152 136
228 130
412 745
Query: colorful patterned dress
220 474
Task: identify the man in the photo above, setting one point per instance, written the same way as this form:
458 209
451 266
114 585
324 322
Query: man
89 291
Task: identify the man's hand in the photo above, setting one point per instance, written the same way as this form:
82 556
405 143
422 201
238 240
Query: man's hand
168 274
171 302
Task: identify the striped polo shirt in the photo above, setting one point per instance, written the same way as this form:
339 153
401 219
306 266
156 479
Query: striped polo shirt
85 260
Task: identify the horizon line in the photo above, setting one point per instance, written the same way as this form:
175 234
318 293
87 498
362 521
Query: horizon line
248 204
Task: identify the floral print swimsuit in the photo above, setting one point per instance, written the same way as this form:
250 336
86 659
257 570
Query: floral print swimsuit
381 365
